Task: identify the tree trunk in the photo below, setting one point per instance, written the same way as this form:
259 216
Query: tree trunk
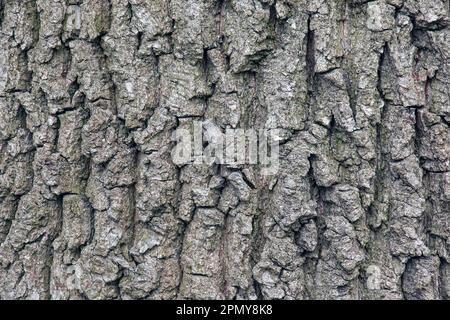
93 205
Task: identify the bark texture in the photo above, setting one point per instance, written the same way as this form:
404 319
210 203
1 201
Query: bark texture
92 206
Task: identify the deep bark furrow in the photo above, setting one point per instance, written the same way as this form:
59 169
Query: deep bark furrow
93 205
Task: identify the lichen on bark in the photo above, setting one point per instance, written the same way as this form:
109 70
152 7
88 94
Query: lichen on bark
92 205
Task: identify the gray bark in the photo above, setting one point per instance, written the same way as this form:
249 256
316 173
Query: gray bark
93 207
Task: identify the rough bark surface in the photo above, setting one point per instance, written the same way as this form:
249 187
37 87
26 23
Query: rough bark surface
93 207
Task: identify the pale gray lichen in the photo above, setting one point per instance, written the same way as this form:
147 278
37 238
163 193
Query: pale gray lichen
93 207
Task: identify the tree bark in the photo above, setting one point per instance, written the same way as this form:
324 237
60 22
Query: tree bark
92 205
